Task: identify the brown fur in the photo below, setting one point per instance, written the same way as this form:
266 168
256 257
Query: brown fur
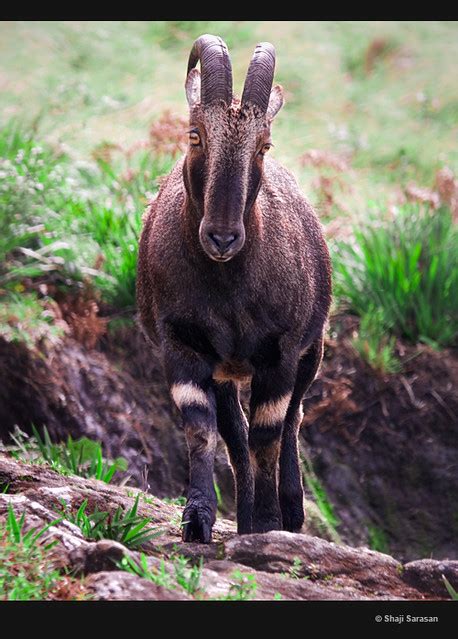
254 317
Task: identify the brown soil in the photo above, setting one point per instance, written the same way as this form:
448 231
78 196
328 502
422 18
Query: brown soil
386 447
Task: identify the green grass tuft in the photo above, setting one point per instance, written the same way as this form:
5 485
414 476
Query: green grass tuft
375 345
82 457
403 270
184 575
450 589
26 569
127 527
319 494
243 588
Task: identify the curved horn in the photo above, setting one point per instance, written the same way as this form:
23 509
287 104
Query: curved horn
215 66
260 76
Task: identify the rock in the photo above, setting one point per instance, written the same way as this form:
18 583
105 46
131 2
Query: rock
267 566
281 551
222 578
99 556
123 586
38 515
426 575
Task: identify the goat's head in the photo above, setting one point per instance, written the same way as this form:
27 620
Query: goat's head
228 139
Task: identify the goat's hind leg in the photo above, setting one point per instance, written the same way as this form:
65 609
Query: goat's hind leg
233 427
290 488
191 387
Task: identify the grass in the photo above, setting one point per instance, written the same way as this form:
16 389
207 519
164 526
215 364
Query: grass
125 526
26 568
73 195
294 571
395 120
175 501
188 577
378 540
25 318
450 589
374 344
184 575
404 269
243 588
69 222
82 457
319 495
160 577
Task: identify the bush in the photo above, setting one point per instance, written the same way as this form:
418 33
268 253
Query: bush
25 318
407 268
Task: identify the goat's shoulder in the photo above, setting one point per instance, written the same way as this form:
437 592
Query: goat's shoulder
281 191
284 205
161 218
171 191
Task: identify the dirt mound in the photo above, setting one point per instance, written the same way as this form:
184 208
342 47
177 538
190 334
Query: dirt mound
115 395
384 448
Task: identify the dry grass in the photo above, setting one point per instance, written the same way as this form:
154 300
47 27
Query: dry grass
167 134
81 312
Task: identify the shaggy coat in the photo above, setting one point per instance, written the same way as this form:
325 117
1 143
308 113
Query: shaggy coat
234 288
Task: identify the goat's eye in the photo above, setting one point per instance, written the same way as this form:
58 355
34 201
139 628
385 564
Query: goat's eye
265 148
194 138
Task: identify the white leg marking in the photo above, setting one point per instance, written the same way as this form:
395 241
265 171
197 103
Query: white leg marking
271 413
185 394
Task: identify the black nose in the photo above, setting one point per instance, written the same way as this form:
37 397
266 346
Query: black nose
222 241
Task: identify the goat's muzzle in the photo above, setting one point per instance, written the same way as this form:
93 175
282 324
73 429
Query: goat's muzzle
219 244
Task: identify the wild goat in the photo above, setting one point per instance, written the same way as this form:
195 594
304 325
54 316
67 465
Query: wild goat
234 287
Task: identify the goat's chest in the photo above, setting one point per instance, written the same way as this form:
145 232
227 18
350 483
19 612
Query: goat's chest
237 337
237 320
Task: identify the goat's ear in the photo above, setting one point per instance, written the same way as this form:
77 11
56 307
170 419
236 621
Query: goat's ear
192 87
276 101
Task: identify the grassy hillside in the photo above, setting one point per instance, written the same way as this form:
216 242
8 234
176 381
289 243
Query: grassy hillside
381 95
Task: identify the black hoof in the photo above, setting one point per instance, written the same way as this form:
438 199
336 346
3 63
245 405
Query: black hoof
292 510
197 522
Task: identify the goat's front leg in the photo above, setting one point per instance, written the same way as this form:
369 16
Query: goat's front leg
191 387
271 392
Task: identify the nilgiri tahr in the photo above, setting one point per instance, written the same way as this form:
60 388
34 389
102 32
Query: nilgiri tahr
234 288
